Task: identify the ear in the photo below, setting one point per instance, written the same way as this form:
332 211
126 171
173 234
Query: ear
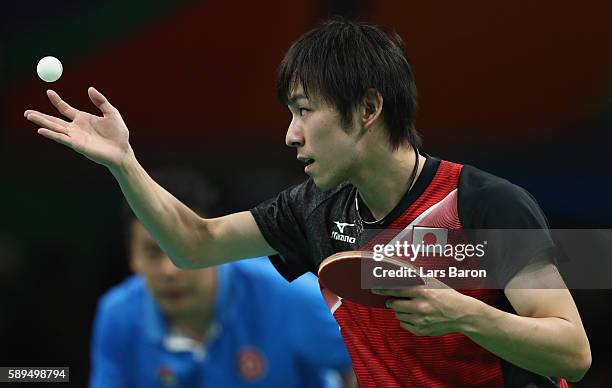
371 107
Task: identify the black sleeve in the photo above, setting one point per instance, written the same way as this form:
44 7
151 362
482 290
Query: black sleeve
281 221
508 218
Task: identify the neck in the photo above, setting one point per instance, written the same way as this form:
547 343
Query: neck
385 176
194 327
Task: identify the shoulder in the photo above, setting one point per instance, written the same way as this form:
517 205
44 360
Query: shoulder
484 198
124 298
481 185
476 185
297 204
310 197
119 316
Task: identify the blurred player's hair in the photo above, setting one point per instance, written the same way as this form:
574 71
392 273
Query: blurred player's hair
341 60
188 186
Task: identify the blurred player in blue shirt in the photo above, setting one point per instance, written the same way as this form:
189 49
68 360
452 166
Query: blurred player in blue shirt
234 325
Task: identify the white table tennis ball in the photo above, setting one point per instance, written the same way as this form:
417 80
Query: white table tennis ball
49 69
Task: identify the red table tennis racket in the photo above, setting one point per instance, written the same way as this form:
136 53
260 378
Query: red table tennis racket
342 273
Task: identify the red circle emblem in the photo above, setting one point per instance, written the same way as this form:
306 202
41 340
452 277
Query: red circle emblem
430 238
250 363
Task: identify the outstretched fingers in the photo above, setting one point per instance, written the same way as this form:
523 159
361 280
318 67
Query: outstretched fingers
49 122
61 105
55 136
100 101
56 120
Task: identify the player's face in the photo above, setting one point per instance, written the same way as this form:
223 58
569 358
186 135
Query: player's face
329 151
179 293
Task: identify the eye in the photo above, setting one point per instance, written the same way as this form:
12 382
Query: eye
303 111
153 252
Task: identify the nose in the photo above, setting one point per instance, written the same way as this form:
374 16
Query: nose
167 268
294 137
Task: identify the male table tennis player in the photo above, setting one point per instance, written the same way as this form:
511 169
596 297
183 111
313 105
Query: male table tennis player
224 326
352 98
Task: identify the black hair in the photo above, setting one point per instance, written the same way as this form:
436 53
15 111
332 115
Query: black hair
341 60
187 186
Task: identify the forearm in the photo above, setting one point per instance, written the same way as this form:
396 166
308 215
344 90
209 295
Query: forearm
547 346
175 227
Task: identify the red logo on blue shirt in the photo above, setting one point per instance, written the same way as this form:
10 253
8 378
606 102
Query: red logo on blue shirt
166 377
251 363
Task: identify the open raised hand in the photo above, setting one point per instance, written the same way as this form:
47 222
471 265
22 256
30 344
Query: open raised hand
103 139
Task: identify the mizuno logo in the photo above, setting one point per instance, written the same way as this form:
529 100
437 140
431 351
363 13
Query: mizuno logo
340 236
341 225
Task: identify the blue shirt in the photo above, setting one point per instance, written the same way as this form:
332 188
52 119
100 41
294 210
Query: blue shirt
265 332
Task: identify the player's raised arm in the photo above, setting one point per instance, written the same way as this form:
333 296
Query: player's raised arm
188 239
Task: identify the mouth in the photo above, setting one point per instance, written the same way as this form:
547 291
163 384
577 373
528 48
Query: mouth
305 159
173 294
309 162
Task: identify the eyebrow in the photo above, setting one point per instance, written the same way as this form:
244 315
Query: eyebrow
295 98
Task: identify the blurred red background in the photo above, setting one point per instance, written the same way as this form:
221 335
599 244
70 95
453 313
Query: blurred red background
522 89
